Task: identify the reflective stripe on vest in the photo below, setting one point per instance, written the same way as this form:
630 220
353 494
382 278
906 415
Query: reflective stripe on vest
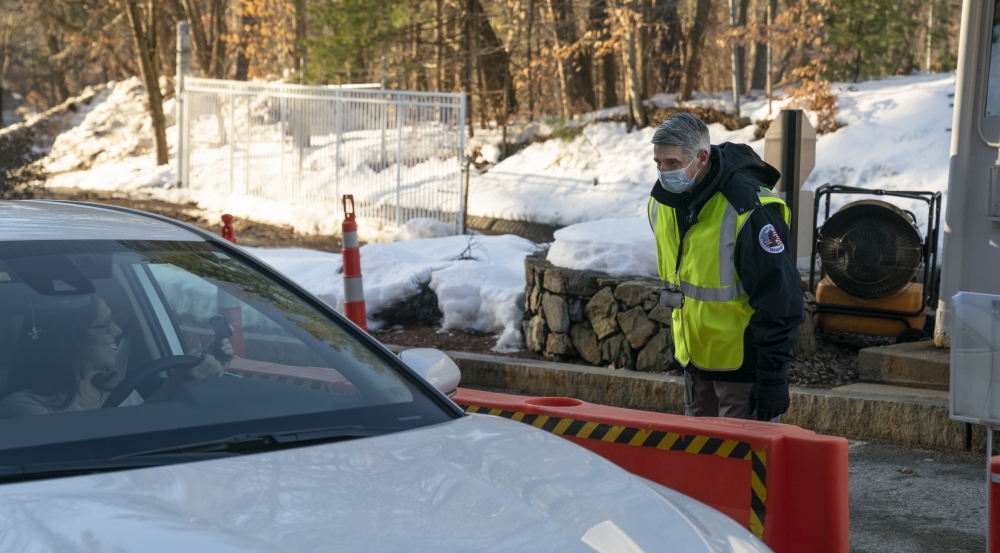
708 329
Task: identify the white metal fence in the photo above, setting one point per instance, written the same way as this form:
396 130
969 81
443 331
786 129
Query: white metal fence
399 153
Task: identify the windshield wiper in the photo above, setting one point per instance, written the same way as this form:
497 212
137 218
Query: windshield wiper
268 441
188 453
20 473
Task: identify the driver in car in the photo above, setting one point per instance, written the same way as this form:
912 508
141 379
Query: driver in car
66 364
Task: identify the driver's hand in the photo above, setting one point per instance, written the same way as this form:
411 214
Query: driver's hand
210 366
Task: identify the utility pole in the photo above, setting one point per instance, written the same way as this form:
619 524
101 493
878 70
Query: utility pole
183 65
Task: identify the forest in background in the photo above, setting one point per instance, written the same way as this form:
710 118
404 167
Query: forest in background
515 58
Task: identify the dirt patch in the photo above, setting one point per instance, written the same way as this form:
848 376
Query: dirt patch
248 233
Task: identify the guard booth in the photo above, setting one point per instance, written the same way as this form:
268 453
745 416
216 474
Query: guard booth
975 384
971 247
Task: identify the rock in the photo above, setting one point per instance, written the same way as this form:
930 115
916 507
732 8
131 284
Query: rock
535 333
612 282
660 314
637 327
527 301
633 292
601 311
575 306
570 283
650 304
615 350
556 313
559 344
585 342
535 299
658 354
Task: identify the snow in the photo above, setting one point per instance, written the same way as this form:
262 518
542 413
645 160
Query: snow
596 180
897 137
478 280
619 247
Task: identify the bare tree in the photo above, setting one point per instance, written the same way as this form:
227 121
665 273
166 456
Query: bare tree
145 47
695 41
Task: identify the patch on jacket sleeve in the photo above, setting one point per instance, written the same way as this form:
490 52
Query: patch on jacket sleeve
769 240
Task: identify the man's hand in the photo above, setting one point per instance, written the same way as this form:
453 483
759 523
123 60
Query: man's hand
768 398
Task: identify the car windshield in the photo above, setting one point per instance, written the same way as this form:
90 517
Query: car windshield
114 348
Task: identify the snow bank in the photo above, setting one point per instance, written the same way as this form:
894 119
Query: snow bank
603 172
479 280
619 247
897 137
113 128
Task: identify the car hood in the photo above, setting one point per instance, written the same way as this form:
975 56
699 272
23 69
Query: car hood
474 484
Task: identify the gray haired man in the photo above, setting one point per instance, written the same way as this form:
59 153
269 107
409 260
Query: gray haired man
733 287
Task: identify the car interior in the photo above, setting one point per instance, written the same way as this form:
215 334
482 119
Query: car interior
162 311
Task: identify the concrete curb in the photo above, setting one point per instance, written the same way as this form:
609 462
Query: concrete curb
911 421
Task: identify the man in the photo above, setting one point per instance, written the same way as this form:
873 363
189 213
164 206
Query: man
733 285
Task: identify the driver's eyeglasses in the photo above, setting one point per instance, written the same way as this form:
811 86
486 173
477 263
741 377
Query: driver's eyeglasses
106 326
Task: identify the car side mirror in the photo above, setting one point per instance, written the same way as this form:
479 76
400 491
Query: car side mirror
435 367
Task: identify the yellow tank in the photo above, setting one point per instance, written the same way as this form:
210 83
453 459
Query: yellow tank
908 300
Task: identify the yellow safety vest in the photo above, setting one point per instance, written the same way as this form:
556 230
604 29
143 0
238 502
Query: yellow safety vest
708 329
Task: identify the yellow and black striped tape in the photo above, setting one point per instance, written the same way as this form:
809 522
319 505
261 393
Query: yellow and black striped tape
304 382
702 445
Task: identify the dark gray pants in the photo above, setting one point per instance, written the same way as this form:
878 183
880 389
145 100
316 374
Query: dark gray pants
711 398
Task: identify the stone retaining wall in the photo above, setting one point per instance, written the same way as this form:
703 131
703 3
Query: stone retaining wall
606 321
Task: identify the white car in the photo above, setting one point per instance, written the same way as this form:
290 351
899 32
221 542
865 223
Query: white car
133 417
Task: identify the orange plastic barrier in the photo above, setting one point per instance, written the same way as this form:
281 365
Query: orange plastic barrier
787 484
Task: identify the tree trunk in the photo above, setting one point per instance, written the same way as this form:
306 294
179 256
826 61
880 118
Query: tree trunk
58 72
531 59
247 22
758 75
218 64
438 46
199 41
642 47
150 76
696 37
597 22
633 91
575 71
299 50
494 65
560 62
467 63
666 47
741 51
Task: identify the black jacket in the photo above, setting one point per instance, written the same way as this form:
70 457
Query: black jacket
771 279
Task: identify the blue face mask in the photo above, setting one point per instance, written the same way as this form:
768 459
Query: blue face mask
676 180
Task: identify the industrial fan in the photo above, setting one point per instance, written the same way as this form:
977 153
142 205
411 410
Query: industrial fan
870 254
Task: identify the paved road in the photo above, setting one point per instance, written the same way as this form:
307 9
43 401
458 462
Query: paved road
909 500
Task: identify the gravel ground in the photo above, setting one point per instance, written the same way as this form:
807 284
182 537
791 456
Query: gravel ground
835 362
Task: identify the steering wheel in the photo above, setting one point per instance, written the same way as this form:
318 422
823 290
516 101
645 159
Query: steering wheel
128 384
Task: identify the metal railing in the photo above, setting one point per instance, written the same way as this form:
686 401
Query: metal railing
399 153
